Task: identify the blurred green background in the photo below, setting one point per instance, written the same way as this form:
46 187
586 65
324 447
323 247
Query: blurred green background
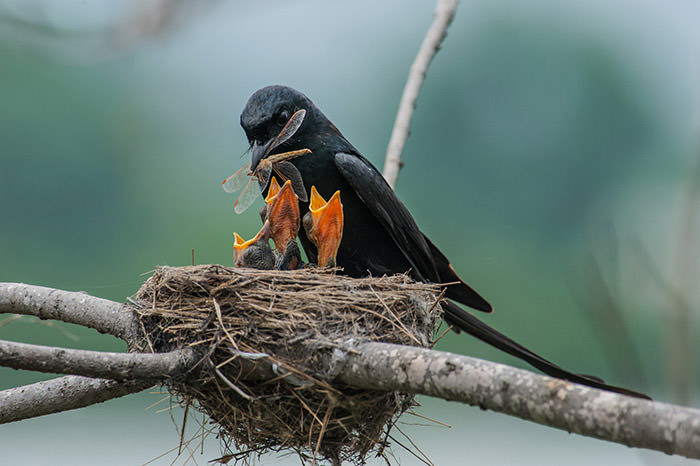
553 157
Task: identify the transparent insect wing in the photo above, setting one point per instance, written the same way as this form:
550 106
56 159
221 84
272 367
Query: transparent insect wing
237 179
289 129
250 192
287 171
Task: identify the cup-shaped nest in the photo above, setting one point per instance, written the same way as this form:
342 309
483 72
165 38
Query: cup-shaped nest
293 320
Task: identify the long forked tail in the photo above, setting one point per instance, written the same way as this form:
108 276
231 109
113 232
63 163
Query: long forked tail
462 320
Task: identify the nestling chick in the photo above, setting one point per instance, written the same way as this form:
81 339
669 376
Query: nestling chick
324 226
255 253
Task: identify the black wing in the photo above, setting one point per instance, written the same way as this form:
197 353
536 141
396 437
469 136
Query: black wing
371 187
425 258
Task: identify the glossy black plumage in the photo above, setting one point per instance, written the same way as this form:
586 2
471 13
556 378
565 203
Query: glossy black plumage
380 235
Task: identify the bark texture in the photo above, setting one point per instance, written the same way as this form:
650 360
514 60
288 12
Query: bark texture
377 366
61 394
556 403
68 306
115 366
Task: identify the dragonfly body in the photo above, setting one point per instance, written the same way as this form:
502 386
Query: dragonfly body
244 179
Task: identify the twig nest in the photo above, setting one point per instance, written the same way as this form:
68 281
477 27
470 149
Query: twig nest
294 320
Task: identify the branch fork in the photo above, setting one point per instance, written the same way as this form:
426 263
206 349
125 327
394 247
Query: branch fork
97 376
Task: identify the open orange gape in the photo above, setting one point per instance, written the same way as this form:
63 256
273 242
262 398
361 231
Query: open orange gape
281 218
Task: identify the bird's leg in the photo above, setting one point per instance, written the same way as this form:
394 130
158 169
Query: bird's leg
324 226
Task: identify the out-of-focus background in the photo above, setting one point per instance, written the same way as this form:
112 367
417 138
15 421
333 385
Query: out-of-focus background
553 157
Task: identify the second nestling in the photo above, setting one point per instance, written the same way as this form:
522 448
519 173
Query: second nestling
281 221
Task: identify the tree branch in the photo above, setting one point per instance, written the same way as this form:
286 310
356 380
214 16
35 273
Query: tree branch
444 12
61 394
115 366
556 403
376 366
68 306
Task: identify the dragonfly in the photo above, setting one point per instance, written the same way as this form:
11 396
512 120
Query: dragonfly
244 178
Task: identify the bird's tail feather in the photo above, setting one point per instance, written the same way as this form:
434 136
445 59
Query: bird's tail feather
462 320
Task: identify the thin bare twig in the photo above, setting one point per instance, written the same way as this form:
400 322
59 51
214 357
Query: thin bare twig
680 342
232 386
444 12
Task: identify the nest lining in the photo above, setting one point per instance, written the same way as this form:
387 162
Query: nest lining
298 318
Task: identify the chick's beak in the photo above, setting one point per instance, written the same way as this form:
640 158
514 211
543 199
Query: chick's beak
272 191
240 245
283 215
326 226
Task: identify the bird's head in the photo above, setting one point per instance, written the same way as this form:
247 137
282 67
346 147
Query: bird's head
249 253
282 213
268 112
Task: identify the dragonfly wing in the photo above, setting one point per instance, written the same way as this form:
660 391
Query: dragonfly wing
247 197
287 171
289 129
237 179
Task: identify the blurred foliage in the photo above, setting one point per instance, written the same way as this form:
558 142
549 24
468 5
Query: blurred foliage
536 133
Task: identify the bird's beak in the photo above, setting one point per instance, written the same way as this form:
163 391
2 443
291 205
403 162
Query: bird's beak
283 215
240 245
326 226
258 152
272 191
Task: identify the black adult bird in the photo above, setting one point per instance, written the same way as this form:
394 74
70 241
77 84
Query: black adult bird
380 236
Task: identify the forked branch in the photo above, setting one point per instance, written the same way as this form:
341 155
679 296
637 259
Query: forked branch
376 366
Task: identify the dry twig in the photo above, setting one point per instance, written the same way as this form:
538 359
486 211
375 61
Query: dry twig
444 12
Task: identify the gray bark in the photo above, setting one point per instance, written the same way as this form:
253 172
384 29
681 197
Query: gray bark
115 366
61 394
553 402
68 306
377 366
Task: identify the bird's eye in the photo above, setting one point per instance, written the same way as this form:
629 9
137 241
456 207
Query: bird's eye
283 117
